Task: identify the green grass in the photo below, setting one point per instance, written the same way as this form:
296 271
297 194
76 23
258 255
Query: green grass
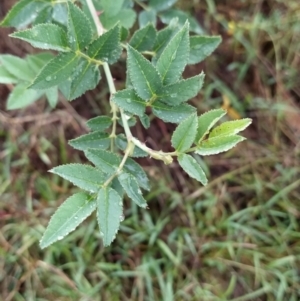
236 239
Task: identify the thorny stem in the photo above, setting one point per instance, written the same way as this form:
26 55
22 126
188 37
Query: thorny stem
159 155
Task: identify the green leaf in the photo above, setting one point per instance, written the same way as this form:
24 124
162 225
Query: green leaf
109 214
67 217
144 77
115 184
167 17
131 120
22 97
121 143
230 128
172 114
192 168
107 47
6 77
145 121
184 135
206 121
85 177
131 187
129 101
44 16
17 67
56 71
100 123
201 47
163 38
106 161
112 8
124 34
138 172
38 61
96 139
160 5
175 56
144 38
147 16
216 145
60 14
23 13
125 17
182 91
52 96
85 77
44 36
79 28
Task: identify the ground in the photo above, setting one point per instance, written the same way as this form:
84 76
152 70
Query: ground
236 239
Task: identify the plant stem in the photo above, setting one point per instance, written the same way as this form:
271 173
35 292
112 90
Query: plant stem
128 151
159 155
95 17
109 77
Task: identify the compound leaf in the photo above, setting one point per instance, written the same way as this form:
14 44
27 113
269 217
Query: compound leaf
192 168
107 47
23 13
201 47
145 121
44 16
131 187
147 16
206 121
56 71
163 38
85 76
169 15
37 61
21 97
60 14
184 135
79 28
100 123
109 214
144 38
174 114
16 66
144 77
6 77
138 172
83 176
67 217
175 56
115 184
112 8
52 96
106 161
216 145
182 91
44 36
96 139
230 128
160 5
130 102
125 17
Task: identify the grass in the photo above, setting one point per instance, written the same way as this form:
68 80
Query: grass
236 239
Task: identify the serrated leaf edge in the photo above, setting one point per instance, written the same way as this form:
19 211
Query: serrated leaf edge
14 35
88 200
